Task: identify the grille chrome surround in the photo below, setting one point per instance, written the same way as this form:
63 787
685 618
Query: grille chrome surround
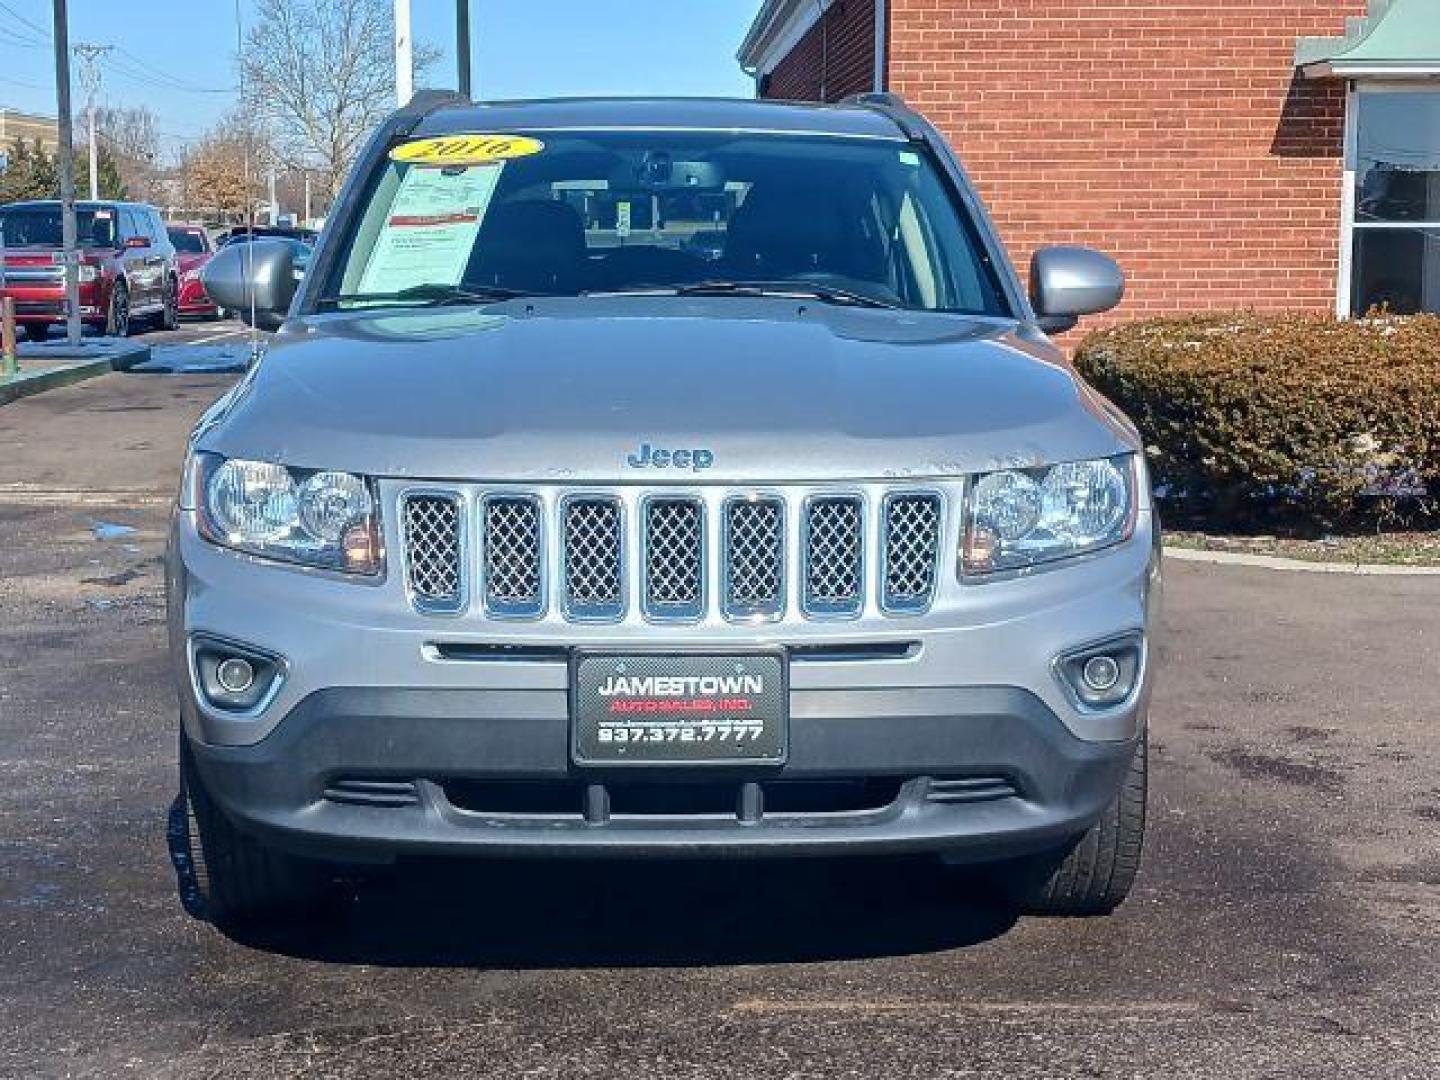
432 524
753 580
833 582
513 553
911 550
700 555
673 558
592 534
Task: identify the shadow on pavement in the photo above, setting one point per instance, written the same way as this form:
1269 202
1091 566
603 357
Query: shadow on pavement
641 914
517 915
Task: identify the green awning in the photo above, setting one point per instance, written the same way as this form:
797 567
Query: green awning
1398 39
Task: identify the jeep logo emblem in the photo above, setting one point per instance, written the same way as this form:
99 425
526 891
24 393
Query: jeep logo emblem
655 457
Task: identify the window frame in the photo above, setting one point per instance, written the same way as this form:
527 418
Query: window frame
333 274
1350 226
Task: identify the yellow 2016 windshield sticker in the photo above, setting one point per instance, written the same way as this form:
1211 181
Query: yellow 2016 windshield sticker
466 149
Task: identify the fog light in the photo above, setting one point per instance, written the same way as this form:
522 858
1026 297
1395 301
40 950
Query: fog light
1105 674
1101 673
234 678
237 674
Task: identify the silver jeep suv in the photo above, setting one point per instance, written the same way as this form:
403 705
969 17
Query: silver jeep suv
663 478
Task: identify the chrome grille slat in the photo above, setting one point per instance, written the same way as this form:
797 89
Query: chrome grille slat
754 553
674 536
594 553
432 525
834 555
912 550
512 556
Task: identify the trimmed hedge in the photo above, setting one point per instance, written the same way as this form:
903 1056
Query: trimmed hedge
1292 420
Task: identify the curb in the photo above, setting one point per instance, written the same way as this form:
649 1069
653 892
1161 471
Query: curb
1301 566
40 381
90 361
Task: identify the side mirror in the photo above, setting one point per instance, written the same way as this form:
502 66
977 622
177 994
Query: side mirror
261 269
137 242
1068 282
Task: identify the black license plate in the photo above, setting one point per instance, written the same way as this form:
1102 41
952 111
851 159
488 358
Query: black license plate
689 709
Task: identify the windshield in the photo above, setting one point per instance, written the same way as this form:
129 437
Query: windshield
852 220
39 226
187 241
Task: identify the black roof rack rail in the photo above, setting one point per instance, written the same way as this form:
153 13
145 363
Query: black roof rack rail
422 105
893 106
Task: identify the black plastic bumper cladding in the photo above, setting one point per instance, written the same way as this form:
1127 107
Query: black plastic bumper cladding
277 787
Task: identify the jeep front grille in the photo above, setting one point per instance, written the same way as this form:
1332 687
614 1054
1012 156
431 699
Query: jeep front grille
434 542
625 553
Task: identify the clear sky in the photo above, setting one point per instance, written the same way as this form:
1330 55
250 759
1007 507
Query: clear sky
168 52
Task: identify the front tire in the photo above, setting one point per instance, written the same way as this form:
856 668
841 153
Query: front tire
242 880
117 319
170 312
1094 875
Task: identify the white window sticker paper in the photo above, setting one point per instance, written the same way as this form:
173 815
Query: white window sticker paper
431 227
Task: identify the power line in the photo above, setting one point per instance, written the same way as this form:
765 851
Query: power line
21 82
44 33
128 71
180 84
26 44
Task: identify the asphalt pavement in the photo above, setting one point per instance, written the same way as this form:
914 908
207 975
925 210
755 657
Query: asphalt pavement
1286 923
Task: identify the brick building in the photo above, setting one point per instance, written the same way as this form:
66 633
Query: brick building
1274 154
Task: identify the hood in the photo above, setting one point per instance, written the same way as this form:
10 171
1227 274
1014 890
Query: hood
192 261
572 389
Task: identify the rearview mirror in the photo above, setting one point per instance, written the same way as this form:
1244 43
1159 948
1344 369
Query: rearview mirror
261 272
1068 282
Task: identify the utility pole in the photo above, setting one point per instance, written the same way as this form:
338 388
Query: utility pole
404 55
90 79
462 44
67 173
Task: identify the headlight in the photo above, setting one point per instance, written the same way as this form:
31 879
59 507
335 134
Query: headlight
317 518
1019 517
89 272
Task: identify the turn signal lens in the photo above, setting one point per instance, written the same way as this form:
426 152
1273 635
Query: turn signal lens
361 549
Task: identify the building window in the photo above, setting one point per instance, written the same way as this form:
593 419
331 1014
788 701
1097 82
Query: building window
1394 158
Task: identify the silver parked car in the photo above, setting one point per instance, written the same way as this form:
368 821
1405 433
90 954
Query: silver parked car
538 532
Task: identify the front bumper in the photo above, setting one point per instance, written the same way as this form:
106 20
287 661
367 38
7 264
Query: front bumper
976 748
364 775
46 305
194 300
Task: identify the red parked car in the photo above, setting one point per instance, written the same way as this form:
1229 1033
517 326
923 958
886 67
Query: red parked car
193 250
127 266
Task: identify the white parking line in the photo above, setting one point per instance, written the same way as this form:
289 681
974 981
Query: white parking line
214 337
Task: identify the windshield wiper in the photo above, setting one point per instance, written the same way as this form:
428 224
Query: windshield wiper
431 294
829 294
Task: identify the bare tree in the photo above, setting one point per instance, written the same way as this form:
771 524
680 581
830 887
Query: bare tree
322 74
129 136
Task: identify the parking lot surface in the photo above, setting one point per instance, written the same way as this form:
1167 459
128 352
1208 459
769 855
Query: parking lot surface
1287 921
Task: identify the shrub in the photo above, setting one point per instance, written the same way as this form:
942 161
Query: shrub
1252 419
